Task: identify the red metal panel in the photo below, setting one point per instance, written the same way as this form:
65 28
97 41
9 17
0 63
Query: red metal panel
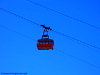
45 46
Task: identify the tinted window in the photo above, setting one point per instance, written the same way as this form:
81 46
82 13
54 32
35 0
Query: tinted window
41 42
50 42
46 42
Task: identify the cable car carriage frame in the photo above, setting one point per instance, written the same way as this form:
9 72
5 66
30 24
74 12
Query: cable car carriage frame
45 43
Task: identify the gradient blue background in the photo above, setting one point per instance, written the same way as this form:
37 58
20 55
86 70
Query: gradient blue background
20 54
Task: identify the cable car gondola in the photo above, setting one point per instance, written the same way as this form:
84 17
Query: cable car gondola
45 43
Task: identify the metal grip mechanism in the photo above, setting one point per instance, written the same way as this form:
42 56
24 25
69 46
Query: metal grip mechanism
45 31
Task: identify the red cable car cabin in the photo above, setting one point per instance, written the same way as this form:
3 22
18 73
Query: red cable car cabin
45 44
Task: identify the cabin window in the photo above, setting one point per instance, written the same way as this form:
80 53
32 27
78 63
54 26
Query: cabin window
45 42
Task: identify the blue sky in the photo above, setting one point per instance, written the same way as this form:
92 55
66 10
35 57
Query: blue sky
19 53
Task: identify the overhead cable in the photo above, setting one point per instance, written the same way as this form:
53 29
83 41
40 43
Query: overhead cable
52 30
55 49
75 39
17 32
78 59
64 14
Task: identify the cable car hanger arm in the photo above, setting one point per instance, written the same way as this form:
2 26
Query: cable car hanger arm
46 27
